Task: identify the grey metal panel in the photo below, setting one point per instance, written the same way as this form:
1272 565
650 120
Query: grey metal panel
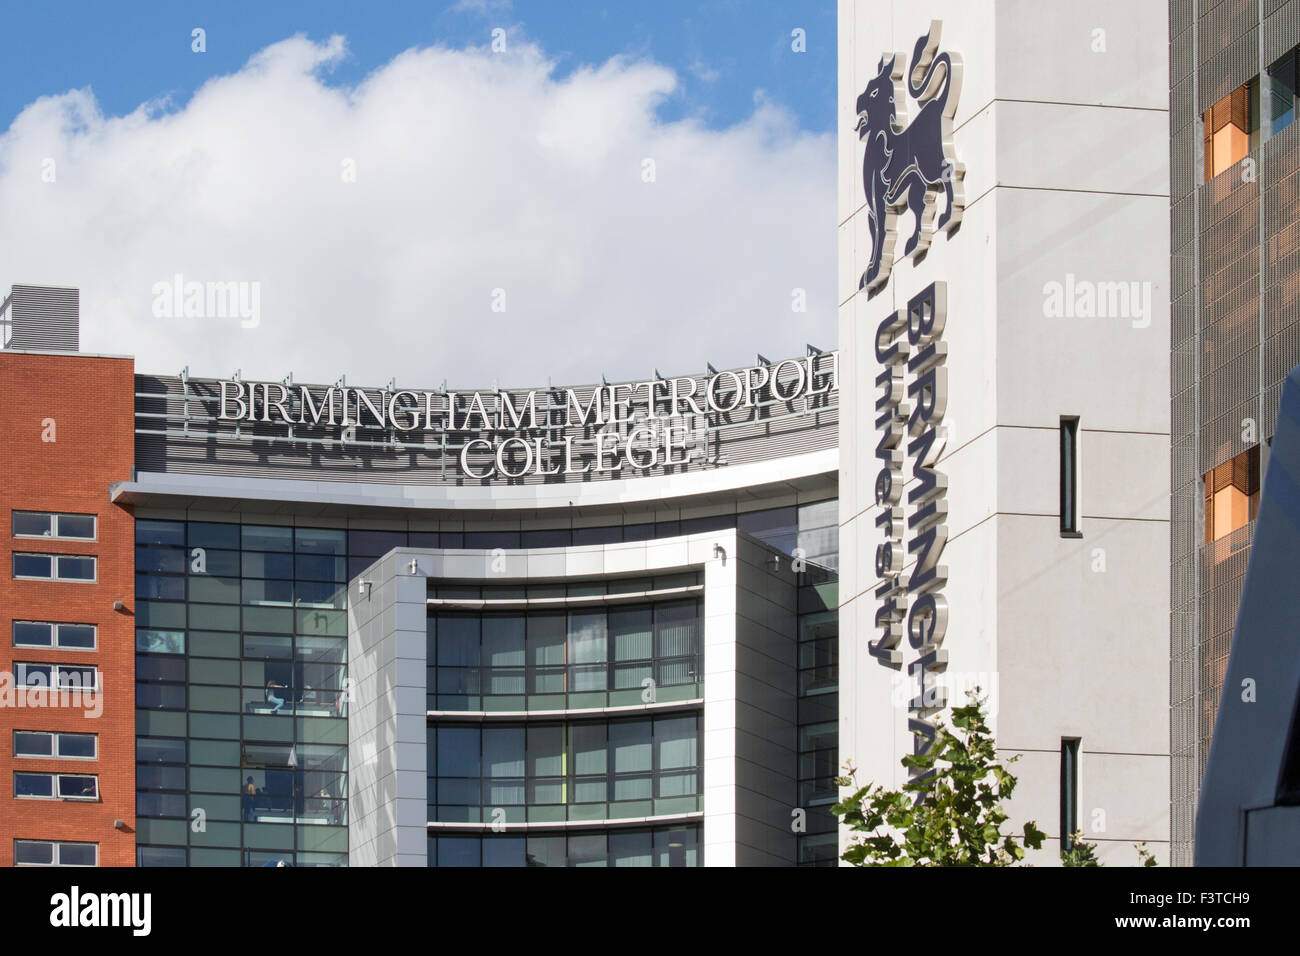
1281 27
45 318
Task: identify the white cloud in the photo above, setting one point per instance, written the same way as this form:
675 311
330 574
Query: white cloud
474 171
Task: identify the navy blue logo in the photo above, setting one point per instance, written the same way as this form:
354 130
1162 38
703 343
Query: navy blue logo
908 164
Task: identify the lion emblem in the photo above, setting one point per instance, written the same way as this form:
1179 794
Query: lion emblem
907 165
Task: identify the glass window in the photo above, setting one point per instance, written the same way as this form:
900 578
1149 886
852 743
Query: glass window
630 848
321 541
458 752
1283 90
28 744
76 745
629 742
73 567
159 642
77 854
458 851
1231 129
267 565
213 535
75 526
42 524
504 851
76 636
33 634
677 847
33 565
78 787
159 750
458 640
503 644
587 651
33 785
51 853
487 540
545 652
266 538
545 851
33 524
606 535
587 849
554 538
374 544
33 853
148 531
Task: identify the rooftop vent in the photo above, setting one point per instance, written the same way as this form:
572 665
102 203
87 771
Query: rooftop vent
41 318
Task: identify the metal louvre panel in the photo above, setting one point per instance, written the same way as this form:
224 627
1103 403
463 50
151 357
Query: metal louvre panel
45 318
1182 158
1281 27
1229 69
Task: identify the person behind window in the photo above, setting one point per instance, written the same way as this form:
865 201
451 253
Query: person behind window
271 698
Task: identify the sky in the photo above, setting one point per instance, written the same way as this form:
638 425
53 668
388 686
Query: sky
477 193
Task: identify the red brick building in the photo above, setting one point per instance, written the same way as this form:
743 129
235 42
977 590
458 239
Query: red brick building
66 756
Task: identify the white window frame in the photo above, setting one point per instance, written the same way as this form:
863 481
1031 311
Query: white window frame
54 567
54 627
56 786
55 737
54 676
55 517
55 852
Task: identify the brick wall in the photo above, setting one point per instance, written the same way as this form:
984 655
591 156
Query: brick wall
90 401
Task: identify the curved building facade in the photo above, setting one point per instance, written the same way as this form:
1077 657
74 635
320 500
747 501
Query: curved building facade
562 626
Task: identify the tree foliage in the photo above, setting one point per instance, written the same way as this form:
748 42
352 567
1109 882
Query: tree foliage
949 813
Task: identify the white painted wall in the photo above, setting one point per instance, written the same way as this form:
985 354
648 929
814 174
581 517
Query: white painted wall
1063 133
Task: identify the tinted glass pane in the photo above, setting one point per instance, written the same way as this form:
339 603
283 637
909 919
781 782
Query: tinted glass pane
159 749
33 745
76 568
211 535
33 634
503 851
71 785
630 744
458 640
266 538
33 853
491 539
33 523
545 851
557 538
608 535
374 543
587 849
76 745
160 532
321 541
458 752
77 854
33 785
76 526
458 851
32 566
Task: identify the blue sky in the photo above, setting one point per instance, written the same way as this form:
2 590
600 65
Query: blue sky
627 186
723 51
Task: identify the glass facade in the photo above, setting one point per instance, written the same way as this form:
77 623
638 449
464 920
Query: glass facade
531 659
657 846
241 720
241 660
565 771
